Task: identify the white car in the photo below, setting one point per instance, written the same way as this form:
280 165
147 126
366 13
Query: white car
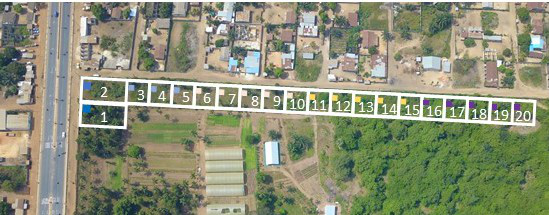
63 134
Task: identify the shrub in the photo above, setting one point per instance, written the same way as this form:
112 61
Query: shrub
469 42
523 14
135 151
398 56
507 52
220 43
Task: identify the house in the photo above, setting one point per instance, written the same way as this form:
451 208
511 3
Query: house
307 27
330 210
537 44
289 58
116 63
446 66
333 64
84 28
233 65
226 15
163 23
251 62
271 153
431 63
291 17
487 5
90 39
225 54
378 64
309 56
160 52
180 9
350 63
492 38
332 78
353 19
243 16
369 39
14 122
116 13
535 54
537 26
222 29
471 32
27 55
491 78
287 35
538 7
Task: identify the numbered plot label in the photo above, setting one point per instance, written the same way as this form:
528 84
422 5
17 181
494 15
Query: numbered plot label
523 112
274 99
455 108
160 93
342 102
364 104
251 98
410 106
182 95
501 111
103 115
387 105
432 107
296 101
478 110
137 92
104 90
228 97
319 101
205 96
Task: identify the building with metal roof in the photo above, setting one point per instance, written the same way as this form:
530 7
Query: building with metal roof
225 178
14 122
225 190
330 210
233 65
446 66
224 154
378 64
226 15
492 38
309 19
251 62
224 166
308 55
537 43
163 23
84 28
491 76
226 209
271 153
431 63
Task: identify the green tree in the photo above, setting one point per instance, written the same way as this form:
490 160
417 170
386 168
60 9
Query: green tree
99 12
524 41
254 138
126 206
165 9
298 145
220 43
274 135
219 5
441 22
342 166
485 44
523 14
398 56
149 63
135 151
341 21
5 208
18 8
278 72
372 50
104 143
332 6
107 43
405 32
469 42
188 143
507 52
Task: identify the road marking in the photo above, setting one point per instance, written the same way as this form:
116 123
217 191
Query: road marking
296 100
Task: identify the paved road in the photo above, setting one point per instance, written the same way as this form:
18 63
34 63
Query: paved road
53 147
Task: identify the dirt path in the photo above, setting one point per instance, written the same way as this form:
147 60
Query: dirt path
200 148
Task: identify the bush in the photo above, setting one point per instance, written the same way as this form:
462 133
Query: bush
372 50
523 15
398 56
507 52
99 12
298 145
254 138
524 41
439 23
469 42
135 151
485 44
220 43
275 135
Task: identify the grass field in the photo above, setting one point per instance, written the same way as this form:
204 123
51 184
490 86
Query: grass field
161 132
105 91
372 16
439 43
116 175
490 20
250 151
308 70
339 44
224 120
410 18
532 76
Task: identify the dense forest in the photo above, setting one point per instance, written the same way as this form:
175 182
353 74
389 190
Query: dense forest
444 168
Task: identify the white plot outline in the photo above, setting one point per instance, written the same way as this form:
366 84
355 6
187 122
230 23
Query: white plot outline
284 110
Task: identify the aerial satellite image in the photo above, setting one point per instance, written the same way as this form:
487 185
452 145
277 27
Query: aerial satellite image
274 108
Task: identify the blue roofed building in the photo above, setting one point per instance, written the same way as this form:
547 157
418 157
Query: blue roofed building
272 154
537 44
251 63
432 63
233 65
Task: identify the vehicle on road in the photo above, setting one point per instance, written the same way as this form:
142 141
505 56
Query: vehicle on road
63 135
56 14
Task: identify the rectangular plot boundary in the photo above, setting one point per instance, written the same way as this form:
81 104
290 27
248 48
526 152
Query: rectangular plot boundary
353 93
